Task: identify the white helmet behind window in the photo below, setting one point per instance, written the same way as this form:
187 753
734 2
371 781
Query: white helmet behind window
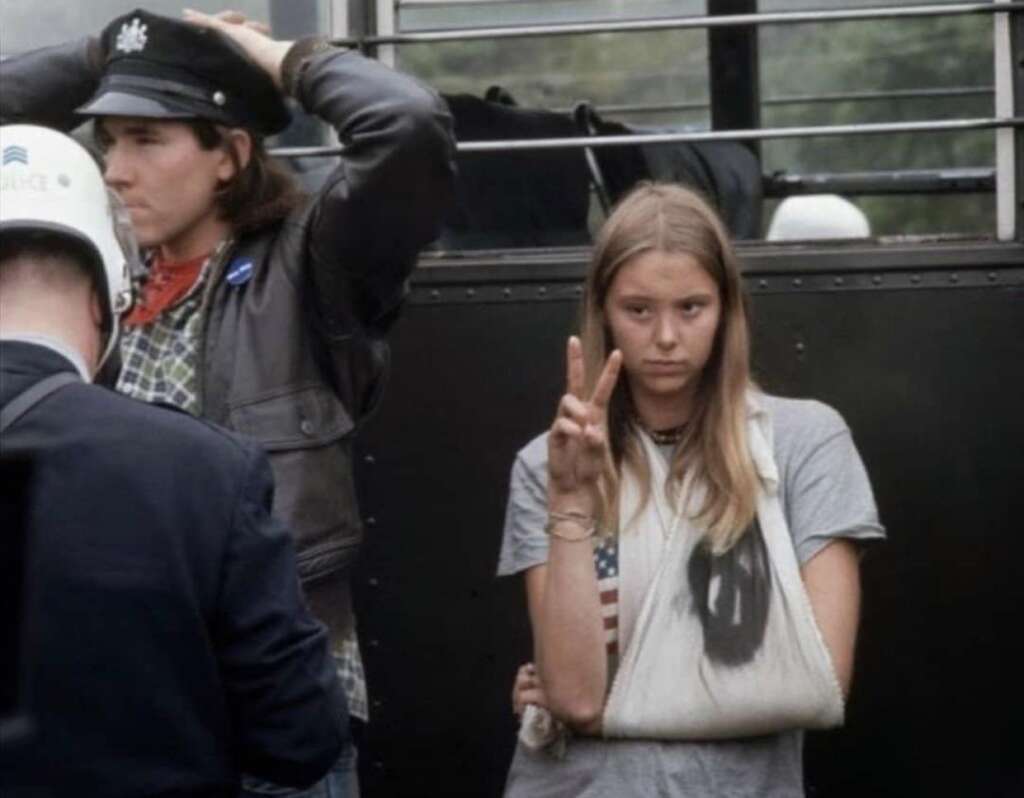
817 217
50 183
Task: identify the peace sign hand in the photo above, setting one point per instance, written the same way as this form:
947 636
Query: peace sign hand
578 441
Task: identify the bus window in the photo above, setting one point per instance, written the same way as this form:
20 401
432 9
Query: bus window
815 74
883 71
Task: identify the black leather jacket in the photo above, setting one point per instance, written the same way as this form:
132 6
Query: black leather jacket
295 357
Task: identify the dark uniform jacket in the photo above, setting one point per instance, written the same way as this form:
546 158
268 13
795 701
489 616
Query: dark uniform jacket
168 642
295 357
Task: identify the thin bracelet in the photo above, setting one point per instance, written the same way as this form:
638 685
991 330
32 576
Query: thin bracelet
571 515
586 524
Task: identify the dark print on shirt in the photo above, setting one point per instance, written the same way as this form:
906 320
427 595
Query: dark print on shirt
731 594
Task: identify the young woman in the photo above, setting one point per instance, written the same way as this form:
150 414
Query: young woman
688 542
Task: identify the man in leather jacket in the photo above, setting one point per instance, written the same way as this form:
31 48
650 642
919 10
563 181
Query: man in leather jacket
260 310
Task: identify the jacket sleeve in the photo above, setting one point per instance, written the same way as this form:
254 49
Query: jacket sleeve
385 200
281 682
45 86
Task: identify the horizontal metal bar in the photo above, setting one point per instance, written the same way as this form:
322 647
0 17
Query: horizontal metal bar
883 183
958 125
515 267
744 135
685 23
896 94
798 99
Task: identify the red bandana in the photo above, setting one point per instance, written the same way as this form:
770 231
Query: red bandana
166 285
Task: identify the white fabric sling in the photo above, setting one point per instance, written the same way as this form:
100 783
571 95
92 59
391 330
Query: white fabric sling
722 647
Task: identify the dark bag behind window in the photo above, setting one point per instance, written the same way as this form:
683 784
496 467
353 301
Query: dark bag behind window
726 172
528 198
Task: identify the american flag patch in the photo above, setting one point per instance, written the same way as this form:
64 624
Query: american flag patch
606 561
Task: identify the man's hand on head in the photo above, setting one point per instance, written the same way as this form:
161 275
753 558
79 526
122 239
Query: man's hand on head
252 36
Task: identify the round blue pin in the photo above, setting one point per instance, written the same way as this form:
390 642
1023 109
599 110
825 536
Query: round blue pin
240 271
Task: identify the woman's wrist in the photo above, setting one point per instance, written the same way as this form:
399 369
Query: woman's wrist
573 527
572 503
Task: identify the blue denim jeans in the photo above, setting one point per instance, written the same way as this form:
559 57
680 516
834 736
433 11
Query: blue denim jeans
341 781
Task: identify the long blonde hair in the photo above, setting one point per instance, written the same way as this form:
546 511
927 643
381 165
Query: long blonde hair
670 219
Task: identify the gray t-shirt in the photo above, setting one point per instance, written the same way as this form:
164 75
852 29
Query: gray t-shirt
825 494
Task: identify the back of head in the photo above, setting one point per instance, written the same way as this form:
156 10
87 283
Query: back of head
53 201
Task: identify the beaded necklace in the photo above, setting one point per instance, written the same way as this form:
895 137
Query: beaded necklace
662 437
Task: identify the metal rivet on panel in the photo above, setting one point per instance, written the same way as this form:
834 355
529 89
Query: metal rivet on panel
838 281
371 521
877 279
435 294
507 292
992 277
542 290
373 581
369 459
307 427
954 277
915 278
800 347
797 282
762 283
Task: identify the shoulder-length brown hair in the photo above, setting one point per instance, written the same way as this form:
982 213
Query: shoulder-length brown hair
260 193
714 453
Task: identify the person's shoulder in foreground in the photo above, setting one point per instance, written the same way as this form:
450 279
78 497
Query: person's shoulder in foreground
237 671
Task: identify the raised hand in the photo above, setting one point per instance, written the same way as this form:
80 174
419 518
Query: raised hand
578 441
252 36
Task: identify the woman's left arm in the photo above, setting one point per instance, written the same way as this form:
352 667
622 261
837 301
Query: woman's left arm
832 580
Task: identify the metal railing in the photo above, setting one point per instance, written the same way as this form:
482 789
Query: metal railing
1005 122
684 23
882 183
510 145
801 99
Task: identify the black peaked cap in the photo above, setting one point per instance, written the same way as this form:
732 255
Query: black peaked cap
165 68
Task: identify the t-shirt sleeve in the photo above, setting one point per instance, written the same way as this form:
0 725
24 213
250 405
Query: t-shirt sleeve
523 543
829 494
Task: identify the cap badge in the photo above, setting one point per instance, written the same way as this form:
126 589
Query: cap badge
132 38
219 98
15 154
240 271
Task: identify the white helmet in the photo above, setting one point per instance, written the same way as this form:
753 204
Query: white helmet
50 183
817 216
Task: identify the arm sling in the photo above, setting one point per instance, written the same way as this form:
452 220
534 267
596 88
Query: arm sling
724 646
